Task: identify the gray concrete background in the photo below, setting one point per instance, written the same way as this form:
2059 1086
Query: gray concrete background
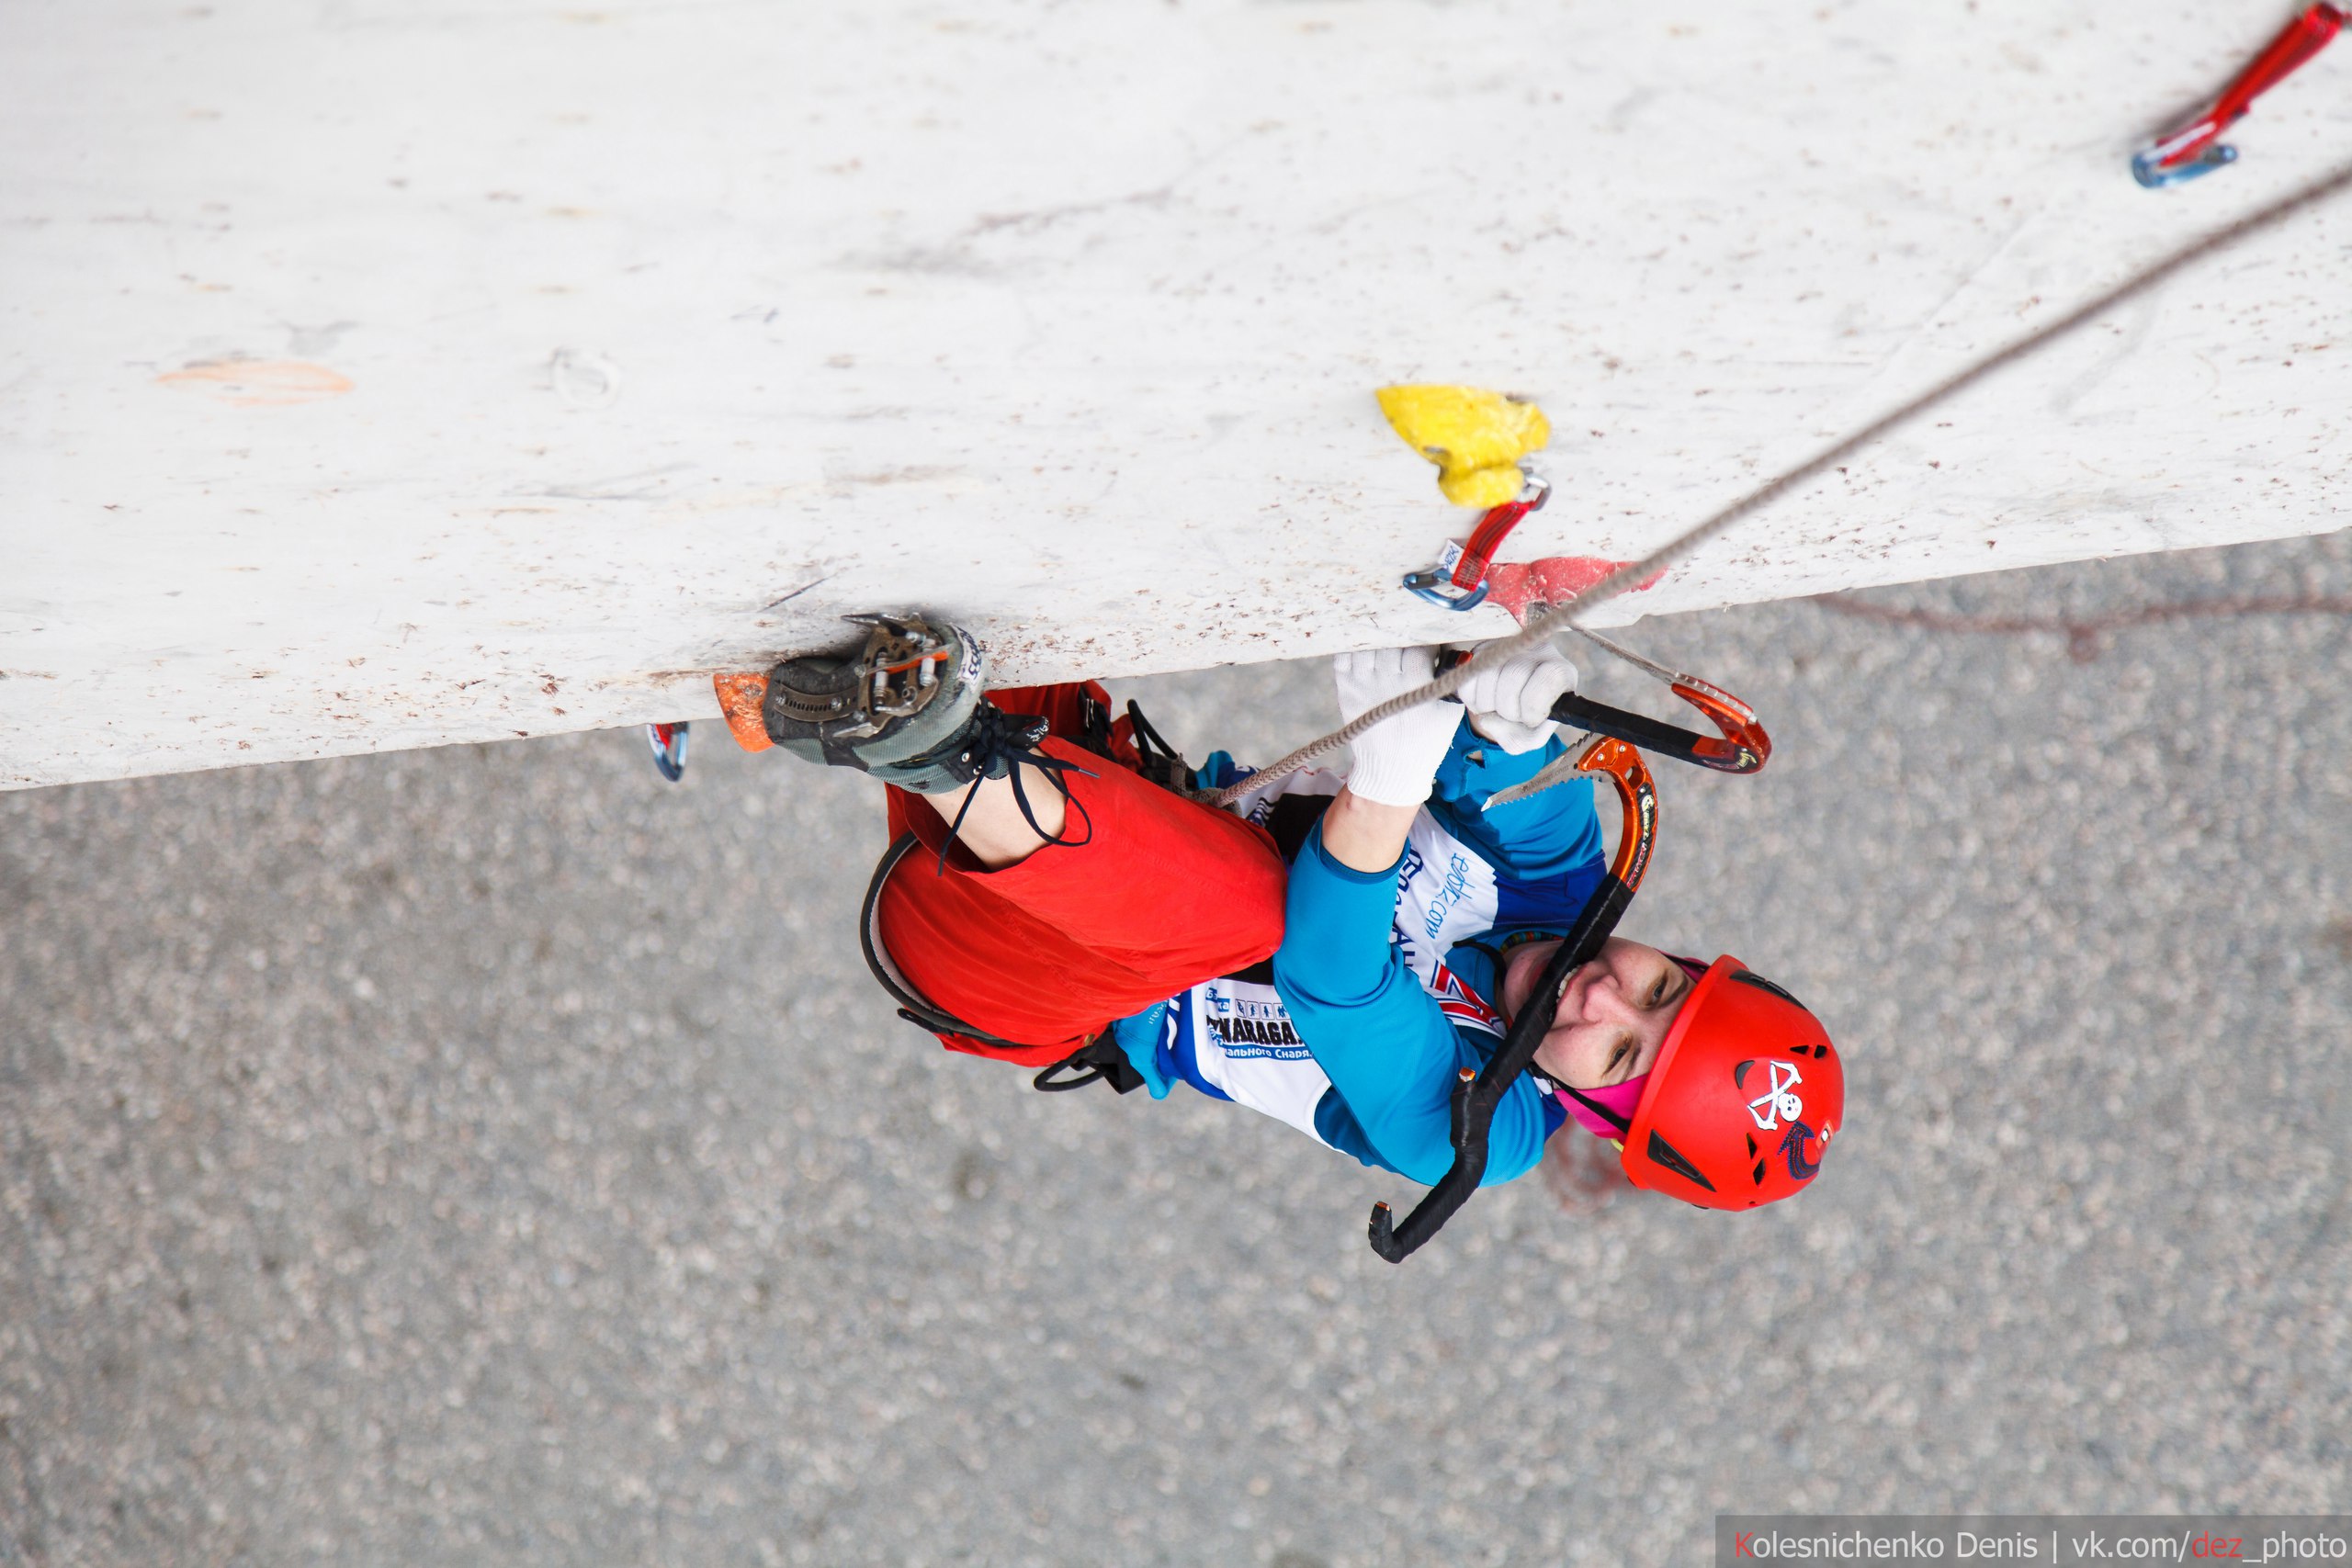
492 1156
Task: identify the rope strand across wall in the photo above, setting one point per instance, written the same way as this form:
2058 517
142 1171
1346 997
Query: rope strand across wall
1561 618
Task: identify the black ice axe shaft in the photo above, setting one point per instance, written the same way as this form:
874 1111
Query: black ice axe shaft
1739 745
1477 1095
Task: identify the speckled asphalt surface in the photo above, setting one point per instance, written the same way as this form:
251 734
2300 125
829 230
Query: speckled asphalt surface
492 1156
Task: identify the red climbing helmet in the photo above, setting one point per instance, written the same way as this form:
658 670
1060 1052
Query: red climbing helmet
1744 1098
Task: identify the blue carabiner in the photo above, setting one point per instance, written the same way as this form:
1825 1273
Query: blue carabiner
2148 168
1493 528
1432 585
1437 584
669 743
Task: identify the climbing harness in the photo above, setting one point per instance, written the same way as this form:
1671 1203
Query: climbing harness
914 1006
1458 581
669 742
1476 1094
2196 149
1162 763
1100 1060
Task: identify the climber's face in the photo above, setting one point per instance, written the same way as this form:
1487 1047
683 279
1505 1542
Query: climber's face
1614 1014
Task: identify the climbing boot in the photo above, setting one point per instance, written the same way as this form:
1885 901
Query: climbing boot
907 708
897 708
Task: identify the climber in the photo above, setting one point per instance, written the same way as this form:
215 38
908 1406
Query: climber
1069 911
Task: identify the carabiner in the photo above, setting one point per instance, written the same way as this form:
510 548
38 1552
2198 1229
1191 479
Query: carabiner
1436 585
2197 147
669 743
1458 581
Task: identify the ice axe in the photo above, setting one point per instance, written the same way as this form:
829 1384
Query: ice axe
1478 1094
1740 745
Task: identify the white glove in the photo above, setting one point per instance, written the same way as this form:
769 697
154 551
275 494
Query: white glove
1511 704
1395 760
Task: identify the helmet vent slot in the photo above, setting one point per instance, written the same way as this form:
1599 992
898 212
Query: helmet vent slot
1751 1146
1667 1154
1749 977
1760 1169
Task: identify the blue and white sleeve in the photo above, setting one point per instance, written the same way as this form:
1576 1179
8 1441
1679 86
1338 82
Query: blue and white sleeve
1387 1048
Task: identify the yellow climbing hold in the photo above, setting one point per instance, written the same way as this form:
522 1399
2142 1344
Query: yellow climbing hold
1475 437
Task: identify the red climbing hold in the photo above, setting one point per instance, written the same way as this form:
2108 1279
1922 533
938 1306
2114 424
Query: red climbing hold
1555 580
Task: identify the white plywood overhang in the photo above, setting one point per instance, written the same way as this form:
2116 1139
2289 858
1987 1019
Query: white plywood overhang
378 374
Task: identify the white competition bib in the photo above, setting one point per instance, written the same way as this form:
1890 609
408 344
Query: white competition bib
1240 1039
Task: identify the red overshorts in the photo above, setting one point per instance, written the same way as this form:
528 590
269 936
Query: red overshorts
1166 893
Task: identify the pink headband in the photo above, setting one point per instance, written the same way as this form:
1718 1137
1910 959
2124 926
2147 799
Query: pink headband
1620 1097
1623 1098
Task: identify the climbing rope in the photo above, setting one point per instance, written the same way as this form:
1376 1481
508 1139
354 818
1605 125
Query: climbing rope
1558 618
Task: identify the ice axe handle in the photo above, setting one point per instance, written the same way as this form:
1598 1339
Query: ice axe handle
1477 1095
1475 1098
1733 752
1741 746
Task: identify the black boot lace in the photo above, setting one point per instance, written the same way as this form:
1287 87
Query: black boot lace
995 748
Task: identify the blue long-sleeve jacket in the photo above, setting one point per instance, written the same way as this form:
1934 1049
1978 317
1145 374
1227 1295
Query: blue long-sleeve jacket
1385 983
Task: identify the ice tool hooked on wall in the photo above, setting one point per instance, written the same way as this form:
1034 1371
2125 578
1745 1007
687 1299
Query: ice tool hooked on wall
2197 147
